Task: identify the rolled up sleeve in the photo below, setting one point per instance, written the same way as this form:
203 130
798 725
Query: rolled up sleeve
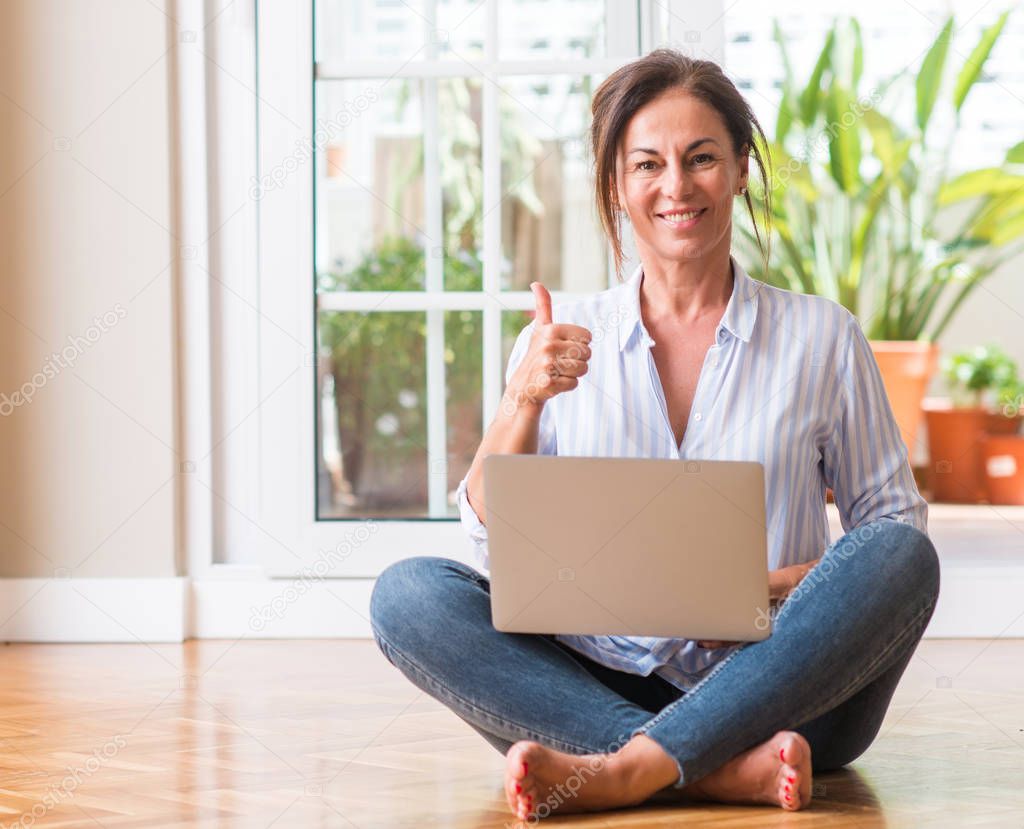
865 461
546 445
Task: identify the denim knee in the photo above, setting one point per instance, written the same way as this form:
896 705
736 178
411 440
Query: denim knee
413 591
399 589
920 555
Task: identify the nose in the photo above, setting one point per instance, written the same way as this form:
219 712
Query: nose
676 182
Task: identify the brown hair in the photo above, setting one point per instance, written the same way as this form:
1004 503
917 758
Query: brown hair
636 84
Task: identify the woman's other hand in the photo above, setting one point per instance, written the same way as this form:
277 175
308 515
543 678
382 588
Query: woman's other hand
781 583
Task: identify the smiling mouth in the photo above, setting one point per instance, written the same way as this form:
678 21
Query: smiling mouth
682 219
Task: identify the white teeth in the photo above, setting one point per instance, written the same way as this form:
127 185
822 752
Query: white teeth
681 217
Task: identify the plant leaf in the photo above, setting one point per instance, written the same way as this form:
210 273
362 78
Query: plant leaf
1000 208
929 79
858 53
848 54
811 95
785 118
844 139
1010 228
972 67
1015 155
988 181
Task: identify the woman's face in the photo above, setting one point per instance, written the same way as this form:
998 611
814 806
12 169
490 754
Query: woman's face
677 176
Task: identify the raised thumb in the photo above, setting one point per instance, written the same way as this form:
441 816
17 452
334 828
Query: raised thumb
543 303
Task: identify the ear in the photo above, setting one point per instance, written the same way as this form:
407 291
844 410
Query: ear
744 165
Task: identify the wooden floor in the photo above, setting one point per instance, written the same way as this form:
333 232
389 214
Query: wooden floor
327 733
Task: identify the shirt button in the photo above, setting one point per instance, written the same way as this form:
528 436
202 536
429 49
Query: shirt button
698 416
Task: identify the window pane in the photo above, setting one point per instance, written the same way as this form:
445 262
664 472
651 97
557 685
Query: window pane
398 30
370 186
464 397
373 459
512 322
549 227
573 29
370 197
461 178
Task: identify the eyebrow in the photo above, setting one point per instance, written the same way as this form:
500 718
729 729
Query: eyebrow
693 145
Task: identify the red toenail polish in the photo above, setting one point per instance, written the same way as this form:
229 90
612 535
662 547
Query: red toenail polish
782 755
524 767
518 788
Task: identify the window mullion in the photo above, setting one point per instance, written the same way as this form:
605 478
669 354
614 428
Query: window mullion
491 160
622 29
437 415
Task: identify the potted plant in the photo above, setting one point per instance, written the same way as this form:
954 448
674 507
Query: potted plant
957 425
868 212
1003 454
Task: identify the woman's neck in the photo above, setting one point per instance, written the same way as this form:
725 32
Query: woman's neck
684 292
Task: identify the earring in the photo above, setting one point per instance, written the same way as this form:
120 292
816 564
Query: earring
743 191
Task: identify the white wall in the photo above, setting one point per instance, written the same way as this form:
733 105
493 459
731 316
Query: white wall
87 468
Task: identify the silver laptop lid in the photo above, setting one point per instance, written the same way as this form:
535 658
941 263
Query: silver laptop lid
627 546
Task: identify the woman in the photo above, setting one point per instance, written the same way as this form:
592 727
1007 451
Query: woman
691 358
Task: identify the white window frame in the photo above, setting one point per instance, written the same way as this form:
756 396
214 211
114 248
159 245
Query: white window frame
266 515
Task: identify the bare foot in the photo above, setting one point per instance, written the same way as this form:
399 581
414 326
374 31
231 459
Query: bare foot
777 772
540 780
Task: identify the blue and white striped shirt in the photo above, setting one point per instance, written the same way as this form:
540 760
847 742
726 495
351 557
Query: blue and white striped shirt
790 382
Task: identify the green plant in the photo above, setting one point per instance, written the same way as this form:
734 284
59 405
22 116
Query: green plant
864 206
1011 397
980 375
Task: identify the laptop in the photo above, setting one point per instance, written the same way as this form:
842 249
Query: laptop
627 546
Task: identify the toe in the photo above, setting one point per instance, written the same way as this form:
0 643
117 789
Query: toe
515 777
524 805
512 790
515 759
795 769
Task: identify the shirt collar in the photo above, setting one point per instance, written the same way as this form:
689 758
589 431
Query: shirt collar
738 319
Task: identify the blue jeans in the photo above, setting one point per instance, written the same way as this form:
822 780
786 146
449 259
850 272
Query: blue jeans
838 647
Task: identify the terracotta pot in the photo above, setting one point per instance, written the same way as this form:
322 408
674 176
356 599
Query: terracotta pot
907 367
956 471
1003 467
336 155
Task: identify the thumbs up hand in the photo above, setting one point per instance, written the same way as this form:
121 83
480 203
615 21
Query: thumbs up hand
555 360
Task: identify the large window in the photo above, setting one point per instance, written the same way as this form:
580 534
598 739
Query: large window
420 163
450 174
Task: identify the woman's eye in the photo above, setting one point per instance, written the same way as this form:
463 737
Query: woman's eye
640 165
702 158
